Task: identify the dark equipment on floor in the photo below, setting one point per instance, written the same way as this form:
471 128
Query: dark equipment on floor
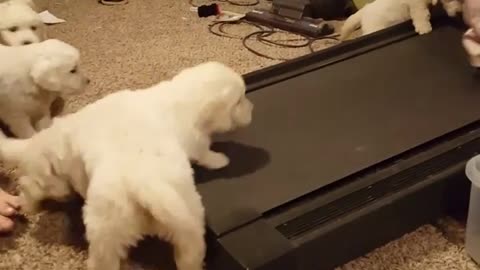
306 17
350 148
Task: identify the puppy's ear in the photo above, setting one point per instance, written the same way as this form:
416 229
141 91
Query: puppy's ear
44 74
215 115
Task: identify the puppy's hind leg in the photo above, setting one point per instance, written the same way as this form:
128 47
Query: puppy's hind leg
189 248
188 241
111 229
180 220
420 15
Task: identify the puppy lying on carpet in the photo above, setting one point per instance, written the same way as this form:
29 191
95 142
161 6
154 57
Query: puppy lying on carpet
128 155
381 14
31 78
20 24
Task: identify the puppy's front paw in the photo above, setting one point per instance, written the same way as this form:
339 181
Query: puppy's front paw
214 161
423 29
453 8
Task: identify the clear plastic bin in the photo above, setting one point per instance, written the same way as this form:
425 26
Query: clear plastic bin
472 238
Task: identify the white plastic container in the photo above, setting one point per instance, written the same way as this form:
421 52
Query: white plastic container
472 237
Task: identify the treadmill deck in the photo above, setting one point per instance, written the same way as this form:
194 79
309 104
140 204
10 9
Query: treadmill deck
314 129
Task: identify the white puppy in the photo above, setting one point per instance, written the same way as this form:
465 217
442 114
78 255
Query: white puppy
31 77
20 24
381 14
129 155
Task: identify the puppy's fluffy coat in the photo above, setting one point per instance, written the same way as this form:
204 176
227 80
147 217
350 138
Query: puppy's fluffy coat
381 14
20 24
31 77
129 155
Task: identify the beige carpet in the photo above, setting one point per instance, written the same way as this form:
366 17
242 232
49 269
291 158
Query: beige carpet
135 46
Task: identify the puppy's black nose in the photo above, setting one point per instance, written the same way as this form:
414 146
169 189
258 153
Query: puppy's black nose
27 42
88 81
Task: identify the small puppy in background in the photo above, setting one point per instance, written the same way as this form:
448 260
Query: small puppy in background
381 14
128 155
31 78
20 24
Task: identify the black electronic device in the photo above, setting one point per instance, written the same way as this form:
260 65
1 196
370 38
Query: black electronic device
306 17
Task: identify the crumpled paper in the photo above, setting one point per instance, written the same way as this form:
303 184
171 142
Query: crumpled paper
49 18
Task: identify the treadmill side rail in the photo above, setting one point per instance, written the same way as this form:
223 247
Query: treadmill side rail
259 246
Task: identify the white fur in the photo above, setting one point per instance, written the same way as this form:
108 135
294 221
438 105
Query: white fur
381 14
20 24
452 7
129 155
31 78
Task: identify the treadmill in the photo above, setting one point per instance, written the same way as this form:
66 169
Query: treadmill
349 148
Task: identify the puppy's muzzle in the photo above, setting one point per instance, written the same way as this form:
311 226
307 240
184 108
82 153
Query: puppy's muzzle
242 115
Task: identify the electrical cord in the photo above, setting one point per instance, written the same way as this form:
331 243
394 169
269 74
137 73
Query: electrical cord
231 2
263 34
241 4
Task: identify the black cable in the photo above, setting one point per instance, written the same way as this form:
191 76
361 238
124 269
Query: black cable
279 42
241 4
259 34
262 35
332 38
222 33
233 3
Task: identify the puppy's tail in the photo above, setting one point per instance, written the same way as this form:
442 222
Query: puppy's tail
351 24
11 150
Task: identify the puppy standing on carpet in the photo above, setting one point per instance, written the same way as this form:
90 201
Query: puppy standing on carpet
31 78
129 155
381 14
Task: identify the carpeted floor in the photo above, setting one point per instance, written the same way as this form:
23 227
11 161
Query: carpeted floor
135 46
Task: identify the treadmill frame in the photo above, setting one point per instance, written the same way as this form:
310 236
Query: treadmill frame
435 170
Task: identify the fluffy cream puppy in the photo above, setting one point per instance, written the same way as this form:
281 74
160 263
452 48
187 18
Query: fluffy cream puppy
20 24
128 155
381 14
31 78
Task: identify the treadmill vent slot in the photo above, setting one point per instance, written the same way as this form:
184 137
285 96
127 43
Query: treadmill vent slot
315 218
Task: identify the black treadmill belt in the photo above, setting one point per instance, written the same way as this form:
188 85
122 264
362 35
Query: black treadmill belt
314 129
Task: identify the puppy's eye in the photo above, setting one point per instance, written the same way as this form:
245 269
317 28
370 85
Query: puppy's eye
33 27
13 29
74 70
